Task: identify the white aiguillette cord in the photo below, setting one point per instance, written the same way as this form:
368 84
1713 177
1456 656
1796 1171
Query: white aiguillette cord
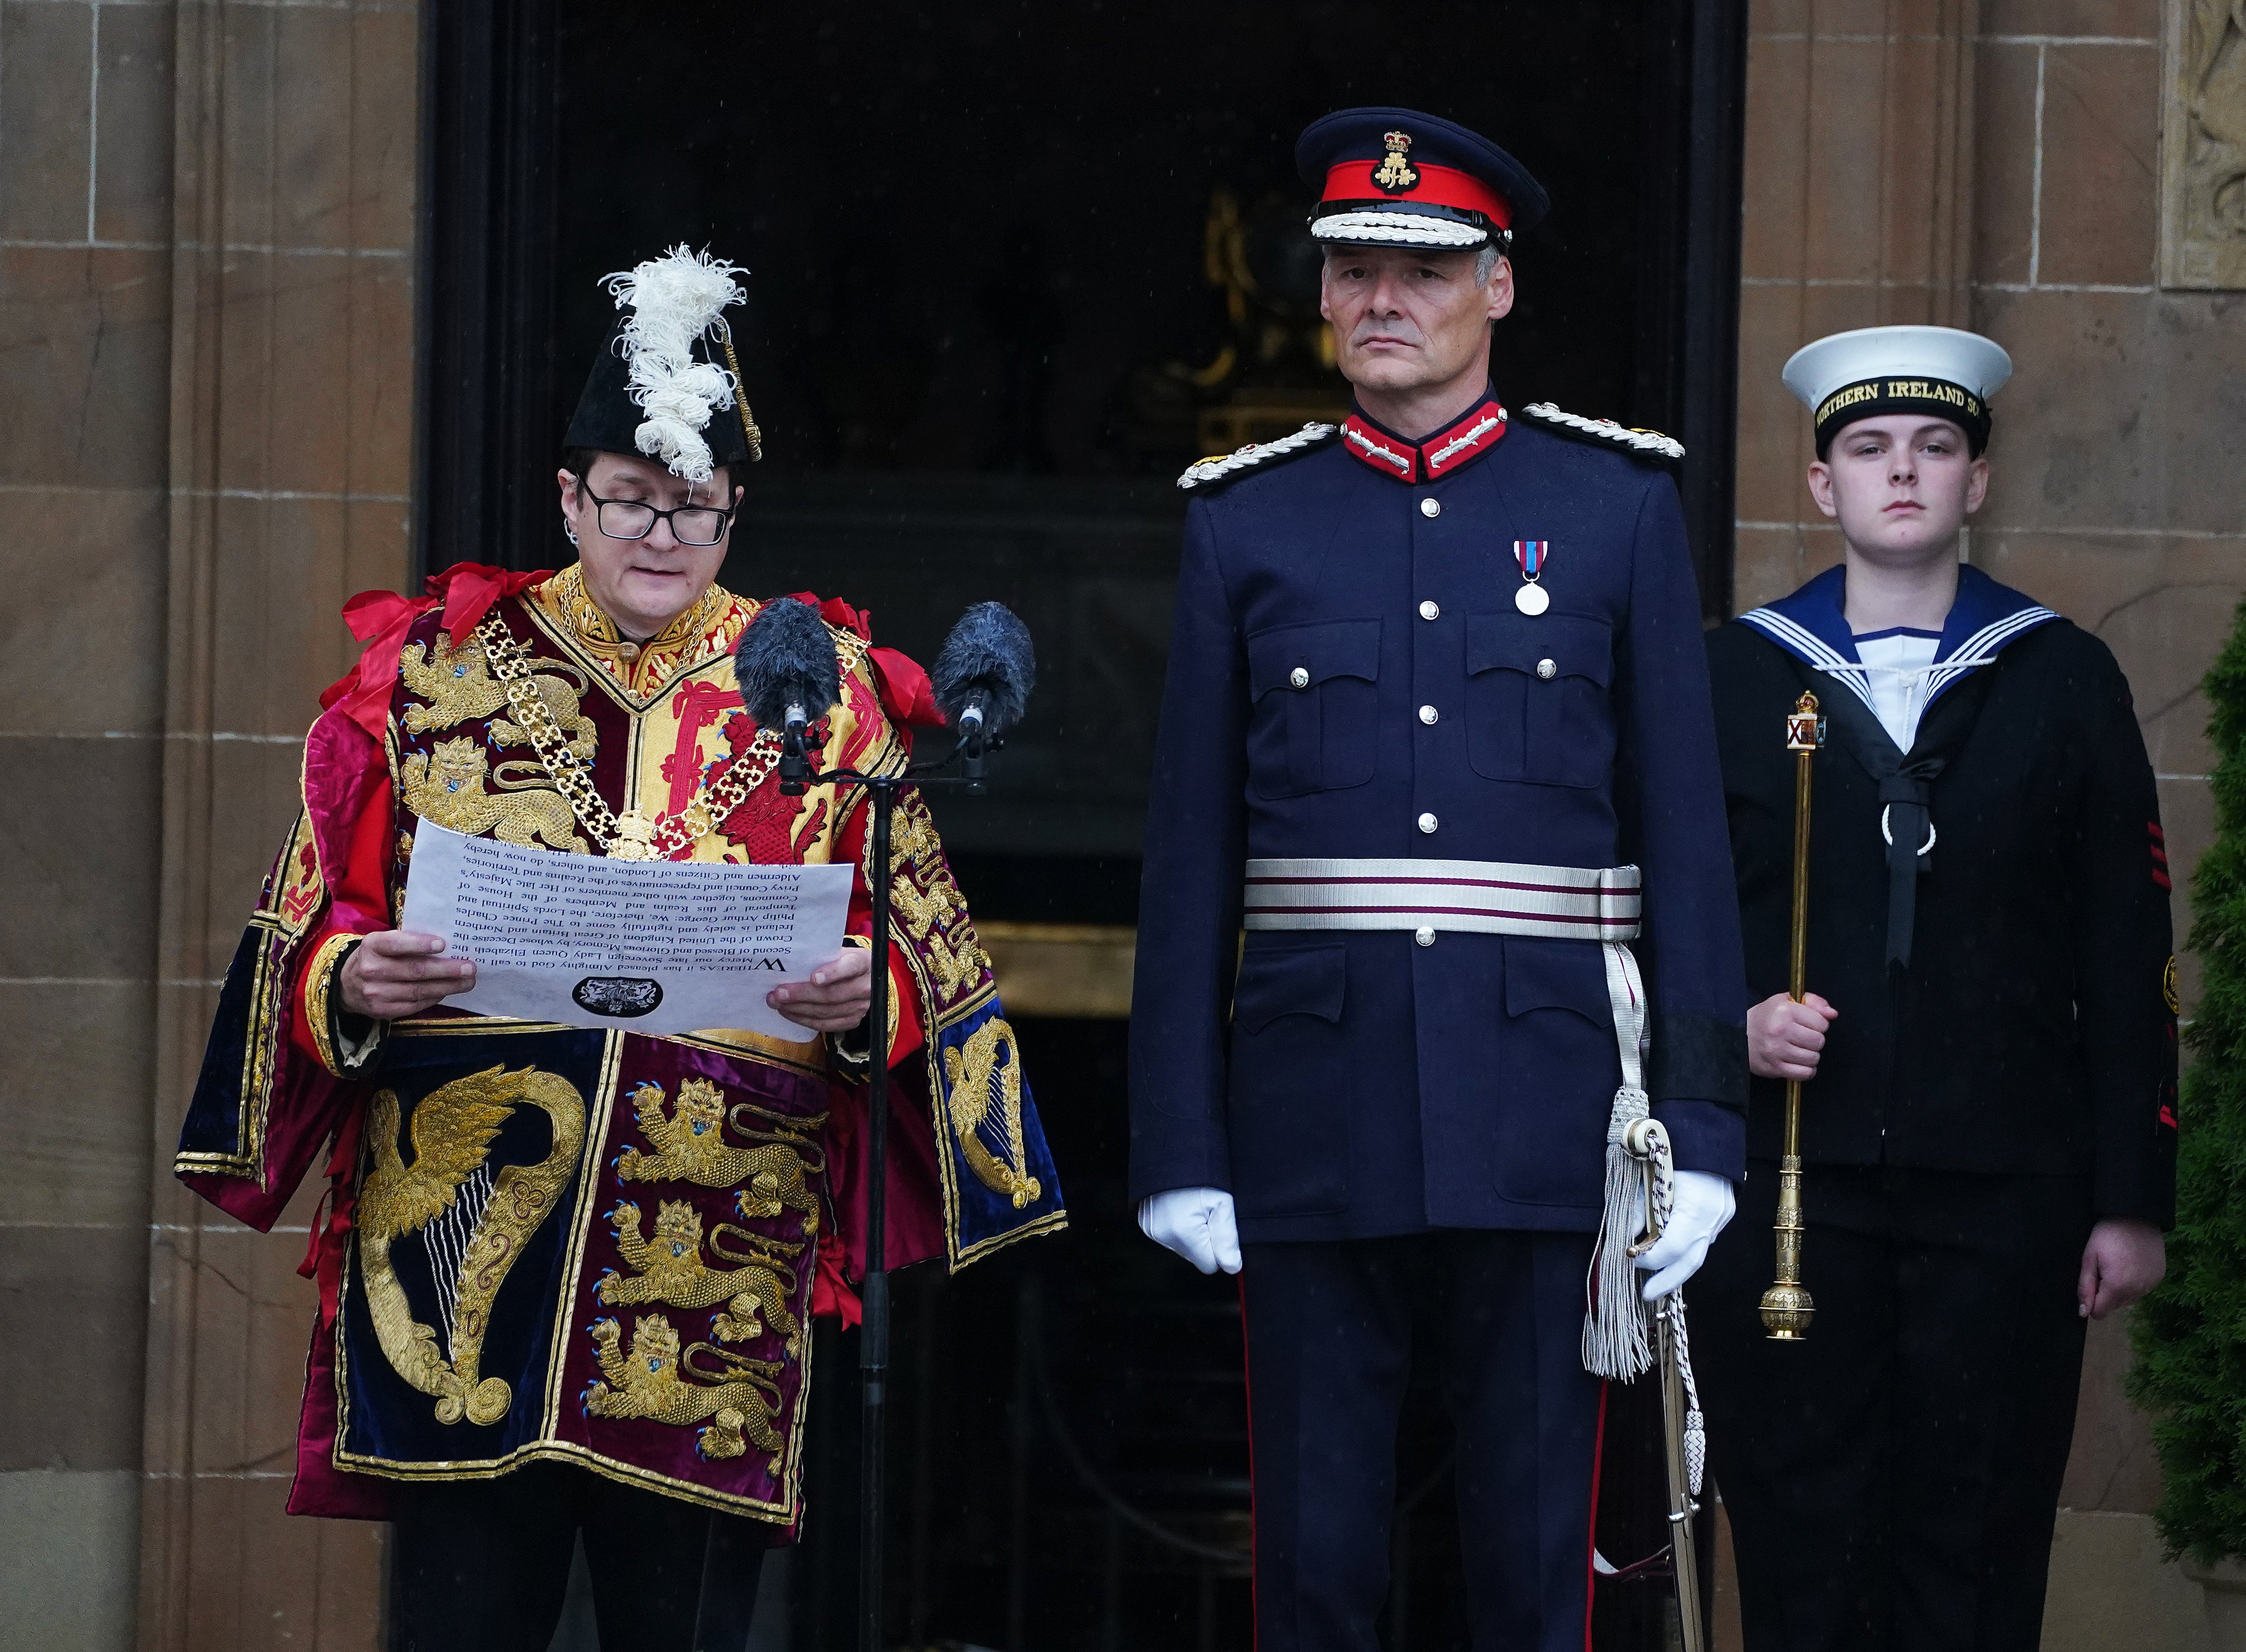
1641 1196
1648 1142
1615 1344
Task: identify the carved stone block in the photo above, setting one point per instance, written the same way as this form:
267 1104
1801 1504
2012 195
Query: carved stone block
2203 145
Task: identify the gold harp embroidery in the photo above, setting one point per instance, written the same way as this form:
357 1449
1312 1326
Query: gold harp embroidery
447 1189
986 1092
671 1270
651 1382
451 792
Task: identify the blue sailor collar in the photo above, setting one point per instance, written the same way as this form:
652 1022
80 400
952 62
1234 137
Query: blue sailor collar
1812 626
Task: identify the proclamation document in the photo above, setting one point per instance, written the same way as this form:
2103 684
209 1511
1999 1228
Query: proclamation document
644 946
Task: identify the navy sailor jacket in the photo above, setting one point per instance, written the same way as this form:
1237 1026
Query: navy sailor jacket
1349 676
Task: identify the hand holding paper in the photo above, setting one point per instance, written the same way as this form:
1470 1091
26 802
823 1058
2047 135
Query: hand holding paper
647 947
395 973
836 998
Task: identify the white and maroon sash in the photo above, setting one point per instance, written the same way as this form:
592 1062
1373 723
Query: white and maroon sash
1485 897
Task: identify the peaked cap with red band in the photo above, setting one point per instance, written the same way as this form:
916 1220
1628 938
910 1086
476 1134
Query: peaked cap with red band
1397 178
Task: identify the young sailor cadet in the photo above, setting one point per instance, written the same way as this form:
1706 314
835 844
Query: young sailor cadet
1436 683
1988 1048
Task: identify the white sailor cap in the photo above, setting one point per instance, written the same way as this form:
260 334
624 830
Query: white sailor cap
1899 369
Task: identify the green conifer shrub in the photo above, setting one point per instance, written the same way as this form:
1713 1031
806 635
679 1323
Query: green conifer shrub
2190 1334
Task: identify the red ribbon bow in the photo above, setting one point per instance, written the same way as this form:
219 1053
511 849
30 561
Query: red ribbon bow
381 619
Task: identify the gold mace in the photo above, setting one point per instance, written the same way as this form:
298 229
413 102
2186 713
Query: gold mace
1786 1306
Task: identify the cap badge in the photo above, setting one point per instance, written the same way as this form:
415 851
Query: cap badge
1395 174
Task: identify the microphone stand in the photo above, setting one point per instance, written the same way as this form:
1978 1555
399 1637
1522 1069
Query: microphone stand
873 1287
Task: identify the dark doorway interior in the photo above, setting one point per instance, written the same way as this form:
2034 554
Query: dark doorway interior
971 228
1013 266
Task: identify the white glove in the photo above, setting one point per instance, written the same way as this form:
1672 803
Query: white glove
1704 1206
1196 1223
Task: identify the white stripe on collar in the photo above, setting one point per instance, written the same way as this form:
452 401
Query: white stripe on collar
1978 649
1812 650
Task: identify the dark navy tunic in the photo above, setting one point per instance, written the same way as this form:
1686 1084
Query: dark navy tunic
2031 1033
1362 1084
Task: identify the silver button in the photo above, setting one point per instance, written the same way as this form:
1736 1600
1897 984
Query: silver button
1430 611
1545 669
1426 822
1428 714
1300 678
1424 935
1430 507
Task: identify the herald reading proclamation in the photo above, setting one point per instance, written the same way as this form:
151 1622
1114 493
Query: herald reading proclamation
653 947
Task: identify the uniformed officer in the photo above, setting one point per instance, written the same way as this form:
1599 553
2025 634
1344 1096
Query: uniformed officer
1436 700
1989 1045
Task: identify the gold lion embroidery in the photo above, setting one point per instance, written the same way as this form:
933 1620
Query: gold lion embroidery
671 1270
451 793
926 899
653 1382
987 1091
452 1131
767 1284
457 685
690 1146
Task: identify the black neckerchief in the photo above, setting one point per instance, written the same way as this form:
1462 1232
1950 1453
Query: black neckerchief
1905 779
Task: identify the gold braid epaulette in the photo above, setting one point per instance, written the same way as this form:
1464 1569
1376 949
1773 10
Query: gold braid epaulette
1219 466
1639 444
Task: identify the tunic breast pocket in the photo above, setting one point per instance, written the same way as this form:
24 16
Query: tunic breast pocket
1315 689
1536 700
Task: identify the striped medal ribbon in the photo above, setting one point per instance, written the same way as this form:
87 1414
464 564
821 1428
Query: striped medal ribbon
1531 599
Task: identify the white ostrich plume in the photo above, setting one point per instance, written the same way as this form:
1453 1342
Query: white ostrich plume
672 301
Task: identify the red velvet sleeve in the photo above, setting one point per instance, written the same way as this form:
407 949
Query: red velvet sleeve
348 796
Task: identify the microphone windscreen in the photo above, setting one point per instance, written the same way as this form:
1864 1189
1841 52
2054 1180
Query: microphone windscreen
986 660
786 657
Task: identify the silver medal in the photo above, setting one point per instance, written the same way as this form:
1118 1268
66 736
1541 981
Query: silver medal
1531 600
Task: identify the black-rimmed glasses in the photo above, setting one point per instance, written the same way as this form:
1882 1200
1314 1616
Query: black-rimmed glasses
632 519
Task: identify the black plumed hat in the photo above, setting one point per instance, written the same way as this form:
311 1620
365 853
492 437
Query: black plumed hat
666 384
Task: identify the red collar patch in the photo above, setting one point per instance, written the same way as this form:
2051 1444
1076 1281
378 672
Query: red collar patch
1457 443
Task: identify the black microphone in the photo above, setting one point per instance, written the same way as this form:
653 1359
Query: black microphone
983 678
789 678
